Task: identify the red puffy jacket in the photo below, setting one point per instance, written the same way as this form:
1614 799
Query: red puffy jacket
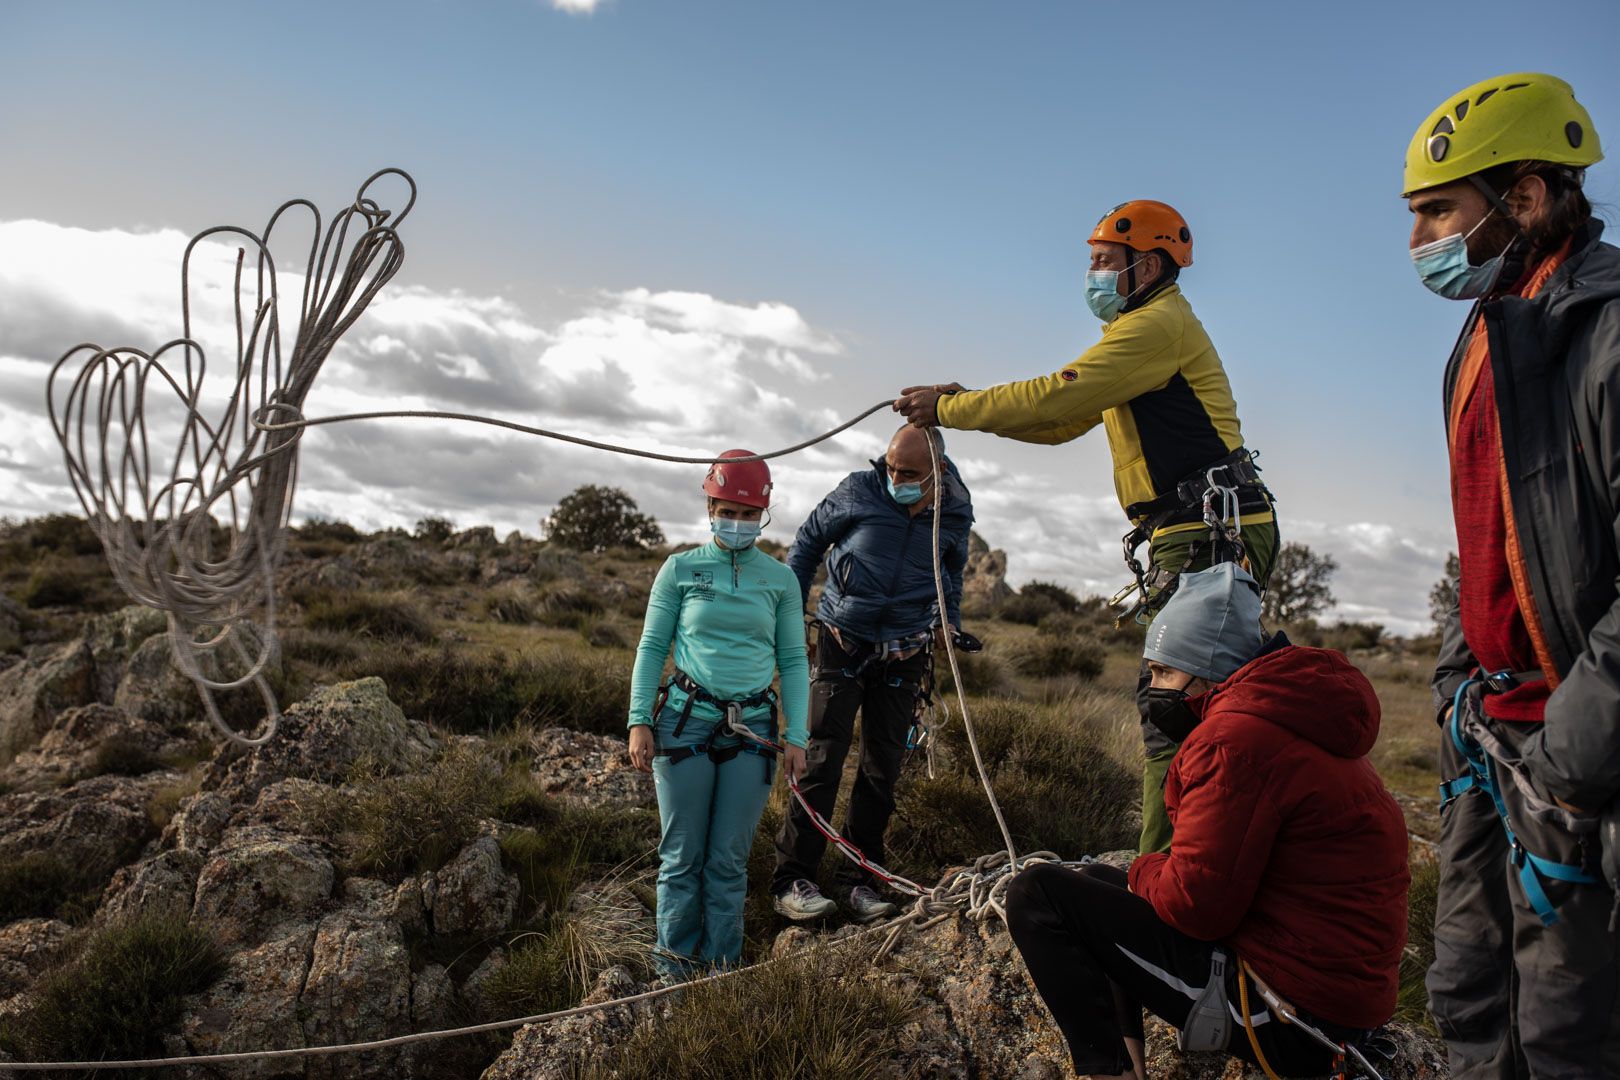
1287 846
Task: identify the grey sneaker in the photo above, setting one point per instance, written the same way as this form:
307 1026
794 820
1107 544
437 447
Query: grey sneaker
803 902
867 906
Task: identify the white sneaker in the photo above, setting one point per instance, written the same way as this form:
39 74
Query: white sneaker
803 902
867 906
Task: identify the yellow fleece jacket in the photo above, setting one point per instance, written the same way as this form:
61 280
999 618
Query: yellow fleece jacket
1154 382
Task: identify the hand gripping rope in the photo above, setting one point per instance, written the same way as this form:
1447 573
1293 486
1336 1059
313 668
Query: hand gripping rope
161 548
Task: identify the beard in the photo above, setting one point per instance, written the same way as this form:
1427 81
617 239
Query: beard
1491 239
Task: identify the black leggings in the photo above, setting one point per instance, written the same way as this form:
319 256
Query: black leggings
1100 955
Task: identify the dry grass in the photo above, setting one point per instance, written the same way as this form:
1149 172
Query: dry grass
756 1026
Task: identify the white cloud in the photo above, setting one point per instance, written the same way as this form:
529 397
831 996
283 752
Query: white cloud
577 7
679 371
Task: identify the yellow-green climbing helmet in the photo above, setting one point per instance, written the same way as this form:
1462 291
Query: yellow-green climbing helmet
1522 117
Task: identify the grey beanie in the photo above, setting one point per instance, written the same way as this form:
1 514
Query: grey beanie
1211 626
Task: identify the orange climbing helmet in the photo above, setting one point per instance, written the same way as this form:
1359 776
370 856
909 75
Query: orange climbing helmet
1144 225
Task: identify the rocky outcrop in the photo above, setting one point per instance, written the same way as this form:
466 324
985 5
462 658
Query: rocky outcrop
27 949
984 580
97 824
473 893
50 679
259 878
592 768
330 733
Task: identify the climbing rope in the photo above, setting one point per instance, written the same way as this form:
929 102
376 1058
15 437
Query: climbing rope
158 527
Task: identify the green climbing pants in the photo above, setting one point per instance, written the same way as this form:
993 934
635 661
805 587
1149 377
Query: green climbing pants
1175 551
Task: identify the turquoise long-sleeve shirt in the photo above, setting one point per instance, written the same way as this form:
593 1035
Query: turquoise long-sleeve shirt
736 618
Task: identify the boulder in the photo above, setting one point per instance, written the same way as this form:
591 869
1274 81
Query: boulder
358 989
984 580
50 679
165 884
590 768
255 1005
199 823
328 734
113 638
96 825
259 878
557 1049
27 948
154 689
473 893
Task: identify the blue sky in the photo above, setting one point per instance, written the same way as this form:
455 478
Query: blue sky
915 180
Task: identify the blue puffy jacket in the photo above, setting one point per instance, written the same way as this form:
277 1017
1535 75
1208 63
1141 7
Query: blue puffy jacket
880 570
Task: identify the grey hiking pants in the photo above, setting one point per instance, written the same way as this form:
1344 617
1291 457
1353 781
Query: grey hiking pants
1512 997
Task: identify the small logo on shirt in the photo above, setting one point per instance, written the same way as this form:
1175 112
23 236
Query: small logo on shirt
1067 376
703 584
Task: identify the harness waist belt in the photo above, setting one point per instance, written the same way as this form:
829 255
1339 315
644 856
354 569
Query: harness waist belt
1235 470
729 710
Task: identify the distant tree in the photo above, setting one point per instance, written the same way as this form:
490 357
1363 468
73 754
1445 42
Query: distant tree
1298 588
595 518
436 529
1443 597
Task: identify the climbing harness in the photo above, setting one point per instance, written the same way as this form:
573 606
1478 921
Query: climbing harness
1482 775
730 722
1344 1052
1209 1024
1214 496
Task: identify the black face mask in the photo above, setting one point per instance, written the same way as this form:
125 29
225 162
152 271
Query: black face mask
1167 710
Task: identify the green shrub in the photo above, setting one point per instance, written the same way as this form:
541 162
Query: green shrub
325 649
755 1026
568 605
597 518
1036 600
1051 655
435 530
118 995
513 604
604 634
65 534
318 538
55 582
395 616
553 563
40 884
472 693
1348 636
120 756
1058 788
982 673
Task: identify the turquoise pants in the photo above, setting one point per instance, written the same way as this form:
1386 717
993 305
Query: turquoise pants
707 814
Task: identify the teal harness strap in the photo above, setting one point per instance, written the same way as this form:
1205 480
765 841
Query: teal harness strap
1481 776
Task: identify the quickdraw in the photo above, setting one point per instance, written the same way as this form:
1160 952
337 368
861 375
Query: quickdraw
1343 1052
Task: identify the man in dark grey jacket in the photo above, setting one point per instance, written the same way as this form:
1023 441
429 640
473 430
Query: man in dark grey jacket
879 611
1526 977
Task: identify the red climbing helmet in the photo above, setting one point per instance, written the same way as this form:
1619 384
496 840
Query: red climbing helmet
748 482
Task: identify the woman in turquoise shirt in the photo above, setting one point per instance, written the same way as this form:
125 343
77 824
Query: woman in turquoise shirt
736 619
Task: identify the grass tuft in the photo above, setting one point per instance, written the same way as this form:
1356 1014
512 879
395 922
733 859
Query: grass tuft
395 616
755 1026
118 995
1412 1004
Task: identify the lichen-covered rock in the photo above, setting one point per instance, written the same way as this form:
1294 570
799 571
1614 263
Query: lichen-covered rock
400 904
326 735
260 877
165 884
433 998
591 768
199 823
153 688
255 1005
98 823
50 679
473 892
358 989
27 948
984 579
113 638
88 740
556 1049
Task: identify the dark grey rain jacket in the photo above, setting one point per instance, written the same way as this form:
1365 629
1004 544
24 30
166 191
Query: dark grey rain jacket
1556 363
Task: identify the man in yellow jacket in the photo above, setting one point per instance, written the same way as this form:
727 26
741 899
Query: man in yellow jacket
1156 385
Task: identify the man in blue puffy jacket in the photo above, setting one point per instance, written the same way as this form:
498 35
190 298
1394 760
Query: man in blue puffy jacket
878 611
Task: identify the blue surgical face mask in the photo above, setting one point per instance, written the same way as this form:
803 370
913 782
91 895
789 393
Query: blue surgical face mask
735 534
905 494
1443 265
1103 295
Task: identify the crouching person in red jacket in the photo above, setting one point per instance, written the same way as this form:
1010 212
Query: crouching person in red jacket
1289 855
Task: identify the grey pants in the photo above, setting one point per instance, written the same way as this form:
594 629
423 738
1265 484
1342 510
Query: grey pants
1512 997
